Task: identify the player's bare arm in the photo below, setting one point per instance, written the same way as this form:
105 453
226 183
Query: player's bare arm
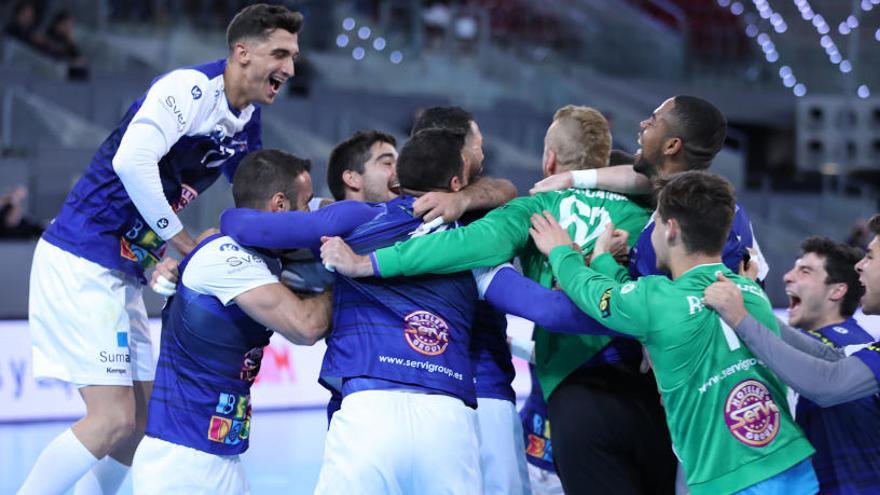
302 321
621 179
483 194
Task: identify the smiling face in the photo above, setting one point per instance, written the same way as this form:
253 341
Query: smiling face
810 297
379 177
869 277
266 64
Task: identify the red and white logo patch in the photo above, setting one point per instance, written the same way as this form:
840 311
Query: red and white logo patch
751 414
426 333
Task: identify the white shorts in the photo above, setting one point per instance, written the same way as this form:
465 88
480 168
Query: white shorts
88 324
544 482
161 467
397 442
502 451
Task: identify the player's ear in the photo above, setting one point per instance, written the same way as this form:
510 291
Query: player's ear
352 179
550 163
280 202
241 53
455 184
673 146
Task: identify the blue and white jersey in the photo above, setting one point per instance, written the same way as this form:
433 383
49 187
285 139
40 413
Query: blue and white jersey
123 209
846 436
210 350
643 259
410 333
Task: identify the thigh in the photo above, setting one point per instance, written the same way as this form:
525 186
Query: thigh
78 320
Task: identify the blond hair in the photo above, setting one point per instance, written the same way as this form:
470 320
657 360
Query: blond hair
581 138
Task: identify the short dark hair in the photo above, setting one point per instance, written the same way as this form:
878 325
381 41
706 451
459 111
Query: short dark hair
840 261
703 204
443 117
874 224
263 173
430 159
259 20
701 127
352 154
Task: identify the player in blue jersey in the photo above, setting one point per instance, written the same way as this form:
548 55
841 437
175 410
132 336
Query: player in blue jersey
87 317
213 332
502 462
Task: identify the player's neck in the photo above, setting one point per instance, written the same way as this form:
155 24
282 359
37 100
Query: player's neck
233 87
828 318
680 263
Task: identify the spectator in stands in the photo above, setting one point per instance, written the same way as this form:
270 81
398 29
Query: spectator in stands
60 43
14 223
23 25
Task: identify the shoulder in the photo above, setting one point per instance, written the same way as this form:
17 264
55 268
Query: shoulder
223 254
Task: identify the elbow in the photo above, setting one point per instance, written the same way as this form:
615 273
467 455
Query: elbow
508 189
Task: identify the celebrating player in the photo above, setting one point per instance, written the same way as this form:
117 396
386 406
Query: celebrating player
87 316
725 410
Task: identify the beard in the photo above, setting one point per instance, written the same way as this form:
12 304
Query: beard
646 166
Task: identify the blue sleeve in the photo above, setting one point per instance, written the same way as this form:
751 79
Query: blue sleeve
515 294
294 229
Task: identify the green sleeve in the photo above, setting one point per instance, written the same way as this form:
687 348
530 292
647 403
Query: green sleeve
493 239
620 307
608 266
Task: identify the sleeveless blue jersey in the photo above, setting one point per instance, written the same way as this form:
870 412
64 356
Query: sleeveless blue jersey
846 436
100 223
405 332
209 357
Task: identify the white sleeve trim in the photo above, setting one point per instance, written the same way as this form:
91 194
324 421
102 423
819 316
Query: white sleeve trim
484 276
225 270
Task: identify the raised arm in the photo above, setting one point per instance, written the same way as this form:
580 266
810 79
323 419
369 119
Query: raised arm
621 179
827 383
294 229
483 194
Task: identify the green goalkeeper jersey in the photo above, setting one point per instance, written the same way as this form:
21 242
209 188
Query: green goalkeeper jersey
503 234
725 409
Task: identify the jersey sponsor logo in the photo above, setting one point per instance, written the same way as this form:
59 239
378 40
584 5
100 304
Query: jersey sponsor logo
114 357
627 288
250 364
241 261
426 333
170 105
162 223
231 430
841 330
537 446
751 414
196 92
229 247
605 304
187 196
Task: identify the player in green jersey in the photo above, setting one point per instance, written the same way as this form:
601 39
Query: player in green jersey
595 379
725 410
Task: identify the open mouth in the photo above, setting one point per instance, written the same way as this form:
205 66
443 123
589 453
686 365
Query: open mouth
275 82
794 302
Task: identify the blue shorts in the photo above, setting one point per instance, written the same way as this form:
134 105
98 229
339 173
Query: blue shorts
800 479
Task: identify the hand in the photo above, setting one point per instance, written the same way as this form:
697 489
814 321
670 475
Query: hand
450 206
183 242
557 182
547 233
163 281
725 297
338 256
612 241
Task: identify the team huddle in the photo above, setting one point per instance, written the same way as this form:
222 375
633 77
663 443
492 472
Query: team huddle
656 356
